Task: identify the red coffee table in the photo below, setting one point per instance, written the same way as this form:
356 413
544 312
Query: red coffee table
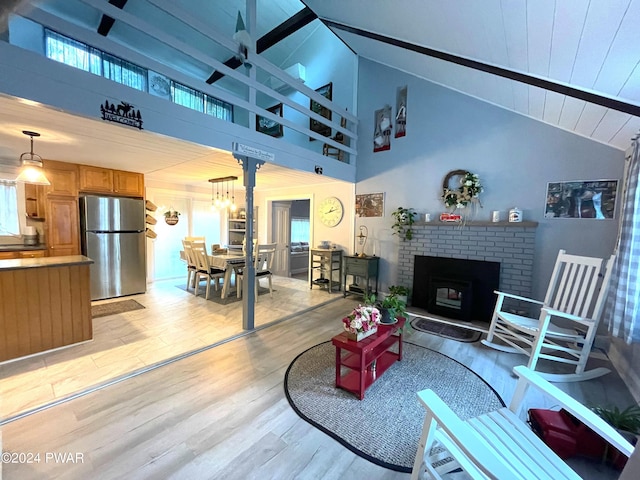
366 360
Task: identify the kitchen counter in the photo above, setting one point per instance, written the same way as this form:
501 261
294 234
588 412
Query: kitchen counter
45 304
21 247
43 262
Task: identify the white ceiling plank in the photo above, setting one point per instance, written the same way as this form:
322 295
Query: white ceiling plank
553 103
514 18
603 21
610 125
629 130
571 111
496 47
520 97
569 21
540 16
631 89
620 61
590 119
536 102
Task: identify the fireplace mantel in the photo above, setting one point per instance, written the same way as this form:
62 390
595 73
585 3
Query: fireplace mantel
438 223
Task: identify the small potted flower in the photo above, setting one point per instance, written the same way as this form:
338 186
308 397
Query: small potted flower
171 216
361 322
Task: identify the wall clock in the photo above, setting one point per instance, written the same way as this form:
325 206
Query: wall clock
330 211
159 85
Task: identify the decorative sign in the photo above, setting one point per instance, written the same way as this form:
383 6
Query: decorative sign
123 113
315 107
401 115
450 217
370 205
382 129
581 199
253 152
268 126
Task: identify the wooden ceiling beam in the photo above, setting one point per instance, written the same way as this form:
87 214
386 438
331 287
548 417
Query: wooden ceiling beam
587 96
269 39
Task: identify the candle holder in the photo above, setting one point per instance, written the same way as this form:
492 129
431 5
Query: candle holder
362 239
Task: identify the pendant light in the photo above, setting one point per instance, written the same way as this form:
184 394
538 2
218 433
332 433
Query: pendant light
31 170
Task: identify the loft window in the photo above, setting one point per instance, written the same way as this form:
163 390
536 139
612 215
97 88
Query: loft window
73 53
124 72
187 97
218 108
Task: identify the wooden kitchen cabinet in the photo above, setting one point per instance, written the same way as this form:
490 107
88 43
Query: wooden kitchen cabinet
63 177
34 199
22 254
128 183
63 226
104 180
96 179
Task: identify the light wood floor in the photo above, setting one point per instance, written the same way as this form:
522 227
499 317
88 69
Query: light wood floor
174 322
222 413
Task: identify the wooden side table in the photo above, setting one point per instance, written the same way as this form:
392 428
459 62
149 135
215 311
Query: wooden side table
366 360
363 267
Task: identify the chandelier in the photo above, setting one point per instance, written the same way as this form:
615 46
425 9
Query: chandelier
220 198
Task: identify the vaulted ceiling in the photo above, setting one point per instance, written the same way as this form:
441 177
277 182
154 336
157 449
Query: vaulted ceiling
584 47
573 64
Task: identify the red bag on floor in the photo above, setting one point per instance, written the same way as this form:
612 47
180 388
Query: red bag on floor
565 434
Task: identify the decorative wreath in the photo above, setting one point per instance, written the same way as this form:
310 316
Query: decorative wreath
470 188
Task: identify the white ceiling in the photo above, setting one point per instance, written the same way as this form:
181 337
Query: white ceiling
591 45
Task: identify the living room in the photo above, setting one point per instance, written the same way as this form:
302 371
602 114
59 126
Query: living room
514 155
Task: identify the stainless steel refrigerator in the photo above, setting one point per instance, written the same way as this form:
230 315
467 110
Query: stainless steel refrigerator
113 237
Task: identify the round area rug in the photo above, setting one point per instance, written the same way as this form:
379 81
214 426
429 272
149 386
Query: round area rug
385 426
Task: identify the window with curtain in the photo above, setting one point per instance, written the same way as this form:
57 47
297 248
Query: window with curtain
187 97
124 72
9 222
623 302
73 53
219 109
300 229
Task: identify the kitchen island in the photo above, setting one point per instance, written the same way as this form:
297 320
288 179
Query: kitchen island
45 303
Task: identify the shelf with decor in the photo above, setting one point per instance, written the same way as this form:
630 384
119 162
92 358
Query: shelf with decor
237 229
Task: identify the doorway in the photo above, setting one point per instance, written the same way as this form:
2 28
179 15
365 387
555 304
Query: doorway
291 232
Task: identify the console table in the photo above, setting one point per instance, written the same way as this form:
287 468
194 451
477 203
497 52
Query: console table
366 360
364 267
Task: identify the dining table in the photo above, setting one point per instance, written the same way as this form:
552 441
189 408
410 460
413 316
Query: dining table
227 262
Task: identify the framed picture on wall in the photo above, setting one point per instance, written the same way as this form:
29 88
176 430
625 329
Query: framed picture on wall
595 199
315 125
370 205
268 126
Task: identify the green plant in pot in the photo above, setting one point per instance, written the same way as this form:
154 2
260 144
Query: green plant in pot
399 291
391 308
627 422
404 219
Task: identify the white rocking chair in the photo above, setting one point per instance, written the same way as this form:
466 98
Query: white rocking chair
499 445
574 300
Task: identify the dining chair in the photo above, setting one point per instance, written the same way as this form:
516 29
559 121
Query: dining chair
191 263
204 270
568 318
264 255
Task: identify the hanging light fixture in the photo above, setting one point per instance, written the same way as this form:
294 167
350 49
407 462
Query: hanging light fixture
233 197
31 170
224 200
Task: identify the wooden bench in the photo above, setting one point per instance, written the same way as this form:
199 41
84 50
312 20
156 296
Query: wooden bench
499 444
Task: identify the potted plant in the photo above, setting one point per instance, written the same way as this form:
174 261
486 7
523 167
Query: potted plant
399 291
627 422
391 308
171 216
404 219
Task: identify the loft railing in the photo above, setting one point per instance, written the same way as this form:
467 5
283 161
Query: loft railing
300 124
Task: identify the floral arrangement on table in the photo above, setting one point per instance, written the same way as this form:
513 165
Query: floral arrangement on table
470 189
362 321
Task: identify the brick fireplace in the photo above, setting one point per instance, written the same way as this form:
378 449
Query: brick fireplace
509 244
